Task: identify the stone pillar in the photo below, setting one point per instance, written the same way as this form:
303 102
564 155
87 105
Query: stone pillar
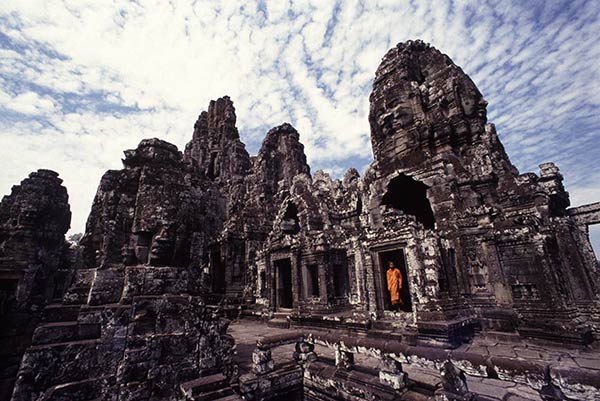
271 276
344 359
454 385
323 274
295 271
305 353
391 373
369 269
261 361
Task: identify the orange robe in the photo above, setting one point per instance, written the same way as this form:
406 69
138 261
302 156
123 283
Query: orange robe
394 282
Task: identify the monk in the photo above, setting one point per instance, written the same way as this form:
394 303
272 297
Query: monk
394 283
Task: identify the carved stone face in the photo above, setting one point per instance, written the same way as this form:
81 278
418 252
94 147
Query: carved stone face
419 97
396 113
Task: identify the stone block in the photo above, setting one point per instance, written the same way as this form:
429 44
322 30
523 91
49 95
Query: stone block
261 361
65 332
60 313
576 383
107 287
529 372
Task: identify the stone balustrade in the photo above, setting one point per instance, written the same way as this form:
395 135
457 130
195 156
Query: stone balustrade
553 381
262 361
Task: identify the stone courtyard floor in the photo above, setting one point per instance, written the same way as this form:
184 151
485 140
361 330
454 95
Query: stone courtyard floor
247 332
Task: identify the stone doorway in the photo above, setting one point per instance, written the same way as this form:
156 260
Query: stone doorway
341 282
396 256
283 269
217 272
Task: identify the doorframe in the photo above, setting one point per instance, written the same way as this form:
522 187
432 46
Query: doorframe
277 277
379 272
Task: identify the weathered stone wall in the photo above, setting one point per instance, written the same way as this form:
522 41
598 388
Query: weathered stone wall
509 243
35 263
483 245
141 333
252 202
133 325
215 149
145 213
422 105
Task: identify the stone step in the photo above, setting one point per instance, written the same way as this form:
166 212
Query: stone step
232 397
60 313
61 332
43 347
204 384
283 323
331 322
381 324
424 381
253 314
218 394
503 336
411 395
385 334
84 390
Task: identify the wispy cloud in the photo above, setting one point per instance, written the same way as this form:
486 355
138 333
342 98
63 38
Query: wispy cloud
30 103
80 81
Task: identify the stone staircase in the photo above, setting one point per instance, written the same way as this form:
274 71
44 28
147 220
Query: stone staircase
60 313
63 332
135 345
59 325
58 341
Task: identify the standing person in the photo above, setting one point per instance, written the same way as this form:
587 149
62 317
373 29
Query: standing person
394 283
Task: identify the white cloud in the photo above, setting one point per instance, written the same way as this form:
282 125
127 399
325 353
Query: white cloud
29 103
92 79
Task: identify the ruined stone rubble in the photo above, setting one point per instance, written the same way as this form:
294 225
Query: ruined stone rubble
175 241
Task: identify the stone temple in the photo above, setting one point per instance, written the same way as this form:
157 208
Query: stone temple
210 274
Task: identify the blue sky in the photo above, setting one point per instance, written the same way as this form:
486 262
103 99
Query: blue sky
80 81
